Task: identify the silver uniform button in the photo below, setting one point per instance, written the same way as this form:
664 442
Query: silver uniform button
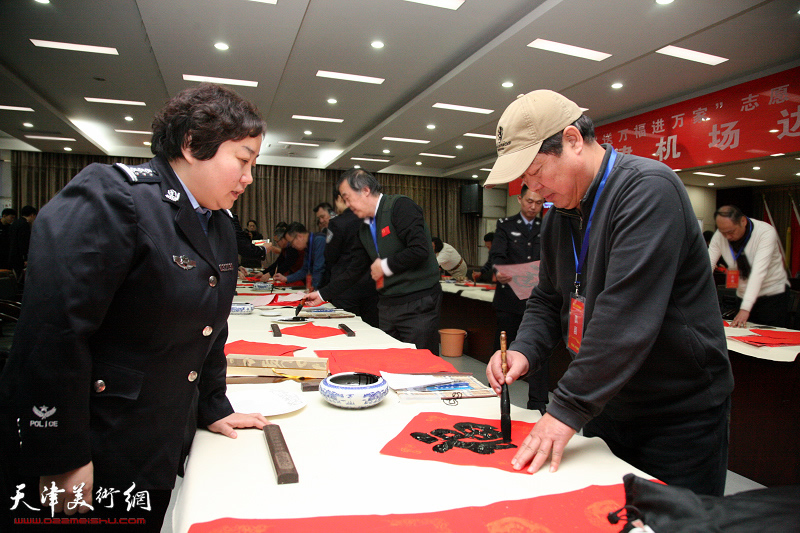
99 385
207 331
192 375
212 281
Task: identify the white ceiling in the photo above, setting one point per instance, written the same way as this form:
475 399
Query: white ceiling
431 55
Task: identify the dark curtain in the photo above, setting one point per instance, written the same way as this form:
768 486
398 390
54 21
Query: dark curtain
277 194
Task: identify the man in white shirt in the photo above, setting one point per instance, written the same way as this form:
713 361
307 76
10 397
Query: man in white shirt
449 259
755 267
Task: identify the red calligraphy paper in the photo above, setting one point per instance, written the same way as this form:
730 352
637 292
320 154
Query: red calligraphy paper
260 348
397 360
405 445
310 331
583 510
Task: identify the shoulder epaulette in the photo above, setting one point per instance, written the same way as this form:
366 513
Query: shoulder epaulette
143 174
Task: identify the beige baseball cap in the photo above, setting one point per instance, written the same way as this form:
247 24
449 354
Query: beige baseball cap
525 124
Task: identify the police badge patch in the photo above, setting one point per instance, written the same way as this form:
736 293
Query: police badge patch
184 262
226 267
173 195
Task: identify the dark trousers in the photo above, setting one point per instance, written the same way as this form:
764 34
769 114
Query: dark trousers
689 451
770 310
539 381
415 322
366 307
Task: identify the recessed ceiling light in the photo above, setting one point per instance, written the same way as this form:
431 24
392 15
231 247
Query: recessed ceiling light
43 1
369 159
297 144
138 132
447 4
111 101
332 100
485 169
507 84
15 108
419 163
387 151
464 108
459 147
431 126
475 176
67 149
307 132
356 166
750 179
568 49
147 143
402 140
27 124
75 47
438 155
773 131
756 168
221 46
710 184
798 174
777 155
664 2
376 44
616 85
273 2
129 118
479 135
709 174
349 77
691 55
318 119
47 138
223 81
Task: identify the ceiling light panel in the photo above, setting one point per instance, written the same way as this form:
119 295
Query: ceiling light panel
46 138
709 174
317 119
75 47
111 101
463 108
568 49
137 132
14 108
446 4
479 135
370 159
691 55
438 155
349 77
296 143
223 81
402 140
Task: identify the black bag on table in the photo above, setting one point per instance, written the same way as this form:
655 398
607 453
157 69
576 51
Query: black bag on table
665 509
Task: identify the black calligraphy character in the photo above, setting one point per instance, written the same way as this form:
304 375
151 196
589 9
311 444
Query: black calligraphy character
479 438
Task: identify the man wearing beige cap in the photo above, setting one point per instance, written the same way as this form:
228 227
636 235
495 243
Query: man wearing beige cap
624 282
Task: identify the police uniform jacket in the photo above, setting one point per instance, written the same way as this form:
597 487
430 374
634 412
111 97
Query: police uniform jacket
119 347
513 244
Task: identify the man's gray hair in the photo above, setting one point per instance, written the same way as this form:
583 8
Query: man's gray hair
357 179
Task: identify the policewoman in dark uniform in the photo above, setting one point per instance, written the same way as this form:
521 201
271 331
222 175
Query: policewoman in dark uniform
516 241
118 353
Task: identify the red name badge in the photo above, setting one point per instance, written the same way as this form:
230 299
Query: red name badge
379 283
732 279
576 308
385 231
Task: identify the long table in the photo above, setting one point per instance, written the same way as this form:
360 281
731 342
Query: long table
336 452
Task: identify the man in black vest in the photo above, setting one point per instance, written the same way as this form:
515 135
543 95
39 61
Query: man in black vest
395 246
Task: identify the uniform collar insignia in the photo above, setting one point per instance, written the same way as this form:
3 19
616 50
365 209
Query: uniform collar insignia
173 195
184 262
226 267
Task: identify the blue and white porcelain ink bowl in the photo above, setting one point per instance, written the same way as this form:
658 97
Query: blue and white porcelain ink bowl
354 390
241 309
262 286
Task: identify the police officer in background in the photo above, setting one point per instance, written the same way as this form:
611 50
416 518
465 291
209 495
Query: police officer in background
516 241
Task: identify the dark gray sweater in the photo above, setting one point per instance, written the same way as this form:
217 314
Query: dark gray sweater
653 342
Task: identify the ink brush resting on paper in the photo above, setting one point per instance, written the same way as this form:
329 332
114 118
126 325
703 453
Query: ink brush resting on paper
299 307
505 400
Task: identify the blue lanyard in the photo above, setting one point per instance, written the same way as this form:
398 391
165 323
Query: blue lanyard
746 240
372 229
579 262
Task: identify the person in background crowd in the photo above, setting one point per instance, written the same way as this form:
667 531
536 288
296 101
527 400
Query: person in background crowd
8 217
486 273
252 229
650 373
516 241
289 260
19 238
118 354
756 269
395 247
313 244
324 213
450 261
251 255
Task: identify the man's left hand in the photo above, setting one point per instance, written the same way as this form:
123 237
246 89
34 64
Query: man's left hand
376 270
740 320
548 437
226 426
